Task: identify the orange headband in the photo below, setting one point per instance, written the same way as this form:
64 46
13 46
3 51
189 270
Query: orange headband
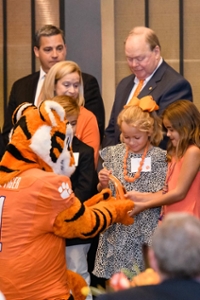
146 103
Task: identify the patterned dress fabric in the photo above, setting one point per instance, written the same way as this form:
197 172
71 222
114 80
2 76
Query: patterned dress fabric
121 246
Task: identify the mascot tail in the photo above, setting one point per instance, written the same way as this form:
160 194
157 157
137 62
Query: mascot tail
76 283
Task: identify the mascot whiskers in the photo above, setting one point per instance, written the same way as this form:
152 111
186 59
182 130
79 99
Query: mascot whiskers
38 208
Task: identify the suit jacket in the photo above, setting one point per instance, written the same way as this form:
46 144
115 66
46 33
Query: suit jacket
24 89
84 180
165 86
171 289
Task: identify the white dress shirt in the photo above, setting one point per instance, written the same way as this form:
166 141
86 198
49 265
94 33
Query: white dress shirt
136 81
39 86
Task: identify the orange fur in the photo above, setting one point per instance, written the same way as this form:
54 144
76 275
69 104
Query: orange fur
83 221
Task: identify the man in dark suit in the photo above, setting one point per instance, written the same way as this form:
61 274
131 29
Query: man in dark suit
50 48
175 256
143 53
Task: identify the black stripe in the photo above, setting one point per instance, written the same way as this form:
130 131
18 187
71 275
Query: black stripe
104 218
6 170
79 213
41 115
56 145
17 154
22 123
95 229
14 117
111 217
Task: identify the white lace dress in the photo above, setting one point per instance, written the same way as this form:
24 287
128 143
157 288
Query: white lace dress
120 246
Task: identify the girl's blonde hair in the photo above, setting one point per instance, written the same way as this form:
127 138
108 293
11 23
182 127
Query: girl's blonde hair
185 119
142 120
58 71
70 106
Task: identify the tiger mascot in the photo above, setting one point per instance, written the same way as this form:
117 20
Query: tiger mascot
38 208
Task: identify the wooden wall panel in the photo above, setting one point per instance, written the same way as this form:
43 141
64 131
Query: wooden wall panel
18 40
164 19
108 54
128 14
191 46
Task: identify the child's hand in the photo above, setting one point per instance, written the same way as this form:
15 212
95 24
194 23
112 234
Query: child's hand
138 207
104 177
136 196
133 195
140 202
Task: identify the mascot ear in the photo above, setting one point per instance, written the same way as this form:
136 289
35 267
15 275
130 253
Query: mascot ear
18 113
20 110
51 112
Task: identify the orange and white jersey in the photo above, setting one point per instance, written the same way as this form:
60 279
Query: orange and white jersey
32 257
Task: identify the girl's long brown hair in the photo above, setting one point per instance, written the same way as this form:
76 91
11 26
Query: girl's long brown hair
185 119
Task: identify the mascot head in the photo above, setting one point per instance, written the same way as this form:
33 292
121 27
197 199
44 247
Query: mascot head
41 138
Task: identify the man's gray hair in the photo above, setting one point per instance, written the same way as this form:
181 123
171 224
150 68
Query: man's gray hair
176 244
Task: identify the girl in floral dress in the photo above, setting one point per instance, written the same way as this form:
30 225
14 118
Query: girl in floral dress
141 166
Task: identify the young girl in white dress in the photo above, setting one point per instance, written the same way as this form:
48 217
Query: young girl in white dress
140 165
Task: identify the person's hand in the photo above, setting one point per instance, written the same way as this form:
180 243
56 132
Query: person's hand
104 177
140 202
134 195
137 196
138 207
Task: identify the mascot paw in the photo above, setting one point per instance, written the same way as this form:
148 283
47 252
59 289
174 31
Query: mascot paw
76 283
122 208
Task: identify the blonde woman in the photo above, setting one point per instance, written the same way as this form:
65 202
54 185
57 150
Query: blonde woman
64 78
